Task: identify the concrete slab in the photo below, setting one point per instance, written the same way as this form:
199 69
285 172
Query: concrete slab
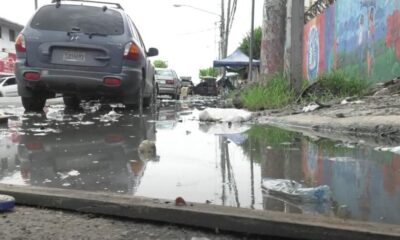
201 215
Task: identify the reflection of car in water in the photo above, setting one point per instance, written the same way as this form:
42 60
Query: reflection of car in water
207 87
85 156
167 116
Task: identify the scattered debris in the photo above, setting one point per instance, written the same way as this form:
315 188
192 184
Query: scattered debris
315 106
224 115
340 115
389 149
351 100
72 173
296 192
6 203
147 150
180 202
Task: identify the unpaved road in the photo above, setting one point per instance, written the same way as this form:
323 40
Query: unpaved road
33 223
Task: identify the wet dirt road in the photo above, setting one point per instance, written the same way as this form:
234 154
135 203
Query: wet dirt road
96 149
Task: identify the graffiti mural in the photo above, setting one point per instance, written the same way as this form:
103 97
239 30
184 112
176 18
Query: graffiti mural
360 37
7 63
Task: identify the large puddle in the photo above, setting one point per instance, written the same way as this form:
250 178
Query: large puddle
96 149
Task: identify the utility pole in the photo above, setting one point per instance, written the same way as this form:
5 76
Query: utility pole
294 44
227 30
36 4
273 37
251 43
222 30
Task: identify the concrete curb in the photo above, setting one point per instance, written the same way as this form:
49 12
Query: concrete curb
201 215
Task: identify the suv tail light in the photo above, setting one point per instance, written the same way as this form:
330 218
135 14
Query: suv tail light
32 76
132 51
20 44
112 82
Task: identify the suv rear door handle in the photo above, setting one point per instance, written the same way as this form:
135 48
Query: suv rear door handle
102 58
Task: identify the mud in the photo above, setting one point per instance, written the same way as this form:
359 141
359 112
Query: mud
372 116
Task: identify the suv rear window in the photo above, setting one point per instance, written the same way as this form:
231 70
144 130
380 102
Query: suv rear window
87 18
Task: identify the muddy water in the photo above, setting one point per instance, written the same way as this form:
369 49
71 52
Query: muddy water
97 149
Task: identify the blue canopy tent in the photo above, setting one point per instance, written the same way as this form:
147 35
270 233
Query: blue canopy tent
236 60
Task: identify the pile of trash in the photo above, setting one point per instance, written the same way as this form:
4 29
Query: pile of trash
225 115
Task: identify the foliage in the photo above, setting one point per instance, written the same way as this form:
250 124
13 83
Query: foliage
275 92
245 45
160 64
208 72
336 84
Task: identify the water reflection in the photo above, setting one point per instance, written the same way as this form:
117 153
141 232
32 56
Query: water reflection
365 183
103 156
97 150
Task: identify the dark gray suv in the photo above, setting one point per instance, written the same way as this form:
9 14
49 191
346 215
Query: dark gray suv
86 50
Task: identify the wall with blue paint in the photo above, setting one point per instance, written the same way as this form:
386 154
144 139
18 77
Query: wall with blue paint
360 37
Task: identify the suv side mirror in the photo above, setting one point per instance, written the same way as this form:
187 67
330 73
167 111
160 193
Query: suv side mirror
152 52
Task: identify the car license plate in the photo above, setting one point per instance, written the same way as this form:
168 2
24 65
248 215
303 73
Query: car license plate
74 56
162 81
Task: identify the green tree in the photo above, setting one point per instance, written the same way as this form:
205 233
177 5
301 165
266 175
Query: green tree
208 72
160 64
245 45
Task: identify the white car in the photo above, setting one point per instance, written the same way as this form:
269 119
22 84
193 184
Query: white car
8 87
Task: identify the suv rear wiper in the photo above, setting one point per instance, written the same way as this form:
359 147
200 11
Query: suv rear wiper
96 34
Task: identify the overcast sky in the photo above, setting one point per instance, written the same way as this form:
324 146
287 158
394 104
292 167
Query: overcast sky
186 38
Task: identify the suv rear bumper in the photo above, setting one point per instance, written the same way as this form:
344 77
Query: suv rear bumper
81 83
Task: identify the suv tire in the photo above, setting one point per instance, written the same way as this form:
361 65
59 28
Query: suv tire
35 103
71 102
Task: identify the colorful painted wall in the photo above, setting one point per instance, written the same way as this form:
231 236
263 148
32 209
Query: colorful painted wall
7 61
361 37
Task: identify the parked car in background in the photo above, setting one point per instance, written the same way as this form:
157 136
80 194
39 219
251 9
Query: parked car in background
168 82
8 87
207 87
85 50
187 82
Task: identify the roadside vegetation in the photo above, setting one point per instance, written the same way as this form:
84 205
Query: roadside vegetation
160 64
208 72
335 85
275 92
271 93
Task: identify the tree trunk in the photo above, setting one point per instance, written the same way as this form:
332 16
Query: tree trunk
273 37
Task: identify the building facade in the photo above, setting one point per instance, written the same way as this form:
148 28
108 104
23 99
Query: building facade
8 34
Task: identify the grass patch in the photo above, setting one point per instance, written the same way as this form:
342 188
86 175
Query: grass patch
272 93
275 92
336 84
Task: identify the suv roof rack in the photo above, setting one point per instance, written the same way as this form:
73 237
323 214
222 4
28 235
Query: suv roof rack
89 1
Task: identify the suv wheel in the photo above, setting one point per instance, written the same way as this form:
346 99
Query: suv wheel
33 104
71 102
